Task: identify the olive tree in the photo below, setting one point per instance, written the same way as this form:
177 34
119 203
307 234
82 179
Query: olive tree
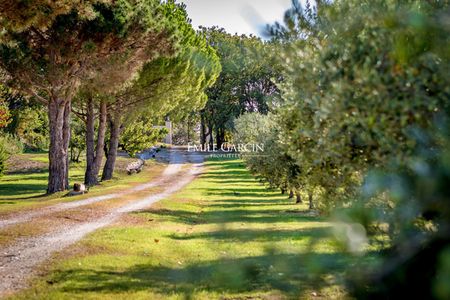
353 88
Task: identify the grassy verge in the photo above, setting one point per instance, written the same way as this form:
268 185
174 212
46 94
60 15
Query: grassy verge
24 187
223 237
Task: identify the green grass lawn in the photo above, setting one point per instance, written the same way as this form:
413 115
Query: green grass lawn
25 186
32 183
225 236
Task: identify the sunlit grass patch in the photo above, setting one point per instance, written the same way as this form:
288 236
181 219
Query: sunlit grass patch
26 188
224 236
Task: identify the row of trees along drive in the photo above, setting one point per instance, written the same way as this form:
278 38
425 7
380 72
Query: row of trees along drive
105 60
363 124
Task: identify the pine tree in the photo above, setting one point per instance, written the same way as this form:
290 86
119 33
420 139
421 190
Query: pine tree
48 50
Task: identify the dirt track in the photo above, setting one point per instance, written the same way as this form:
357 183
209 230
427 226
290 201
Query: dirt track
19 261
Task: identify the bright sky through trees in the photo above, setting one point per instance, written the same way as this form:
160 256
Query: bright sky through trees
241 16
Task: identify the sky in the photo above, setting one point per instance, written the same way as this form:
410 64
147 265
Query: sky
237 16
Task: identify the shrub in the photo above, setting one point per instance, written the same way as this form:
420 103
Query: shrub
3 157
11 144
31 126
5 115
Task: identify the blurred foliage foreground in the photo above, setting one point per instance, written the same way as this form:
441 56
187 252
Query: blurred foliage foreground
364 119
410 205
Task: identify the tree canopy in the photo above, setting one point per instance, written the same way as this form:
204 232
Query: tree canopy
53 50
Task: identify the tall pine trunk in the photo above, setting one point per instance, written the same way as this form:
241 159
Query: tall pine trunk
99 149
310 198
66 138
202 129
219 137
59 123
90 141
298 197
108 169
94 153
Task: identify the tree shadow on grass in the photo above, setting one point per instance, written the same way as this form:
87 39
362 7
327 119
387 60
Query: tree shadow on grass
228 181
288 273
227 176
233 215
242 204
26 186
230 172
27 171
235 204
266 235
18 179
226 164
241 193
21 190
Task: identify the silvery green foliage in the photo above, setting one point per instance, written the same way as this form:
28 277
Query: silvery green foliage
362 86
273 165
357 78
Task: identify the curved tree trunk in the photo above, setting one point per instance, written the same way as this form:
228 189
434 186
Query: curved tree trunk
310 198
99 149
94 154
66 138
291 194
108 169
89 178
298 198
59 123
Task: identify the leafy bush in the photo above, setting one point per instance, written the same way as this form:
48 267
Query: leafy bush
30 125
3 157
416 223
11 144
4 114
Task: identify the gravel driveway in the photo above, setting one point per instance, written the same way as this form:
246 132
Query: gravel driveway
18 262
